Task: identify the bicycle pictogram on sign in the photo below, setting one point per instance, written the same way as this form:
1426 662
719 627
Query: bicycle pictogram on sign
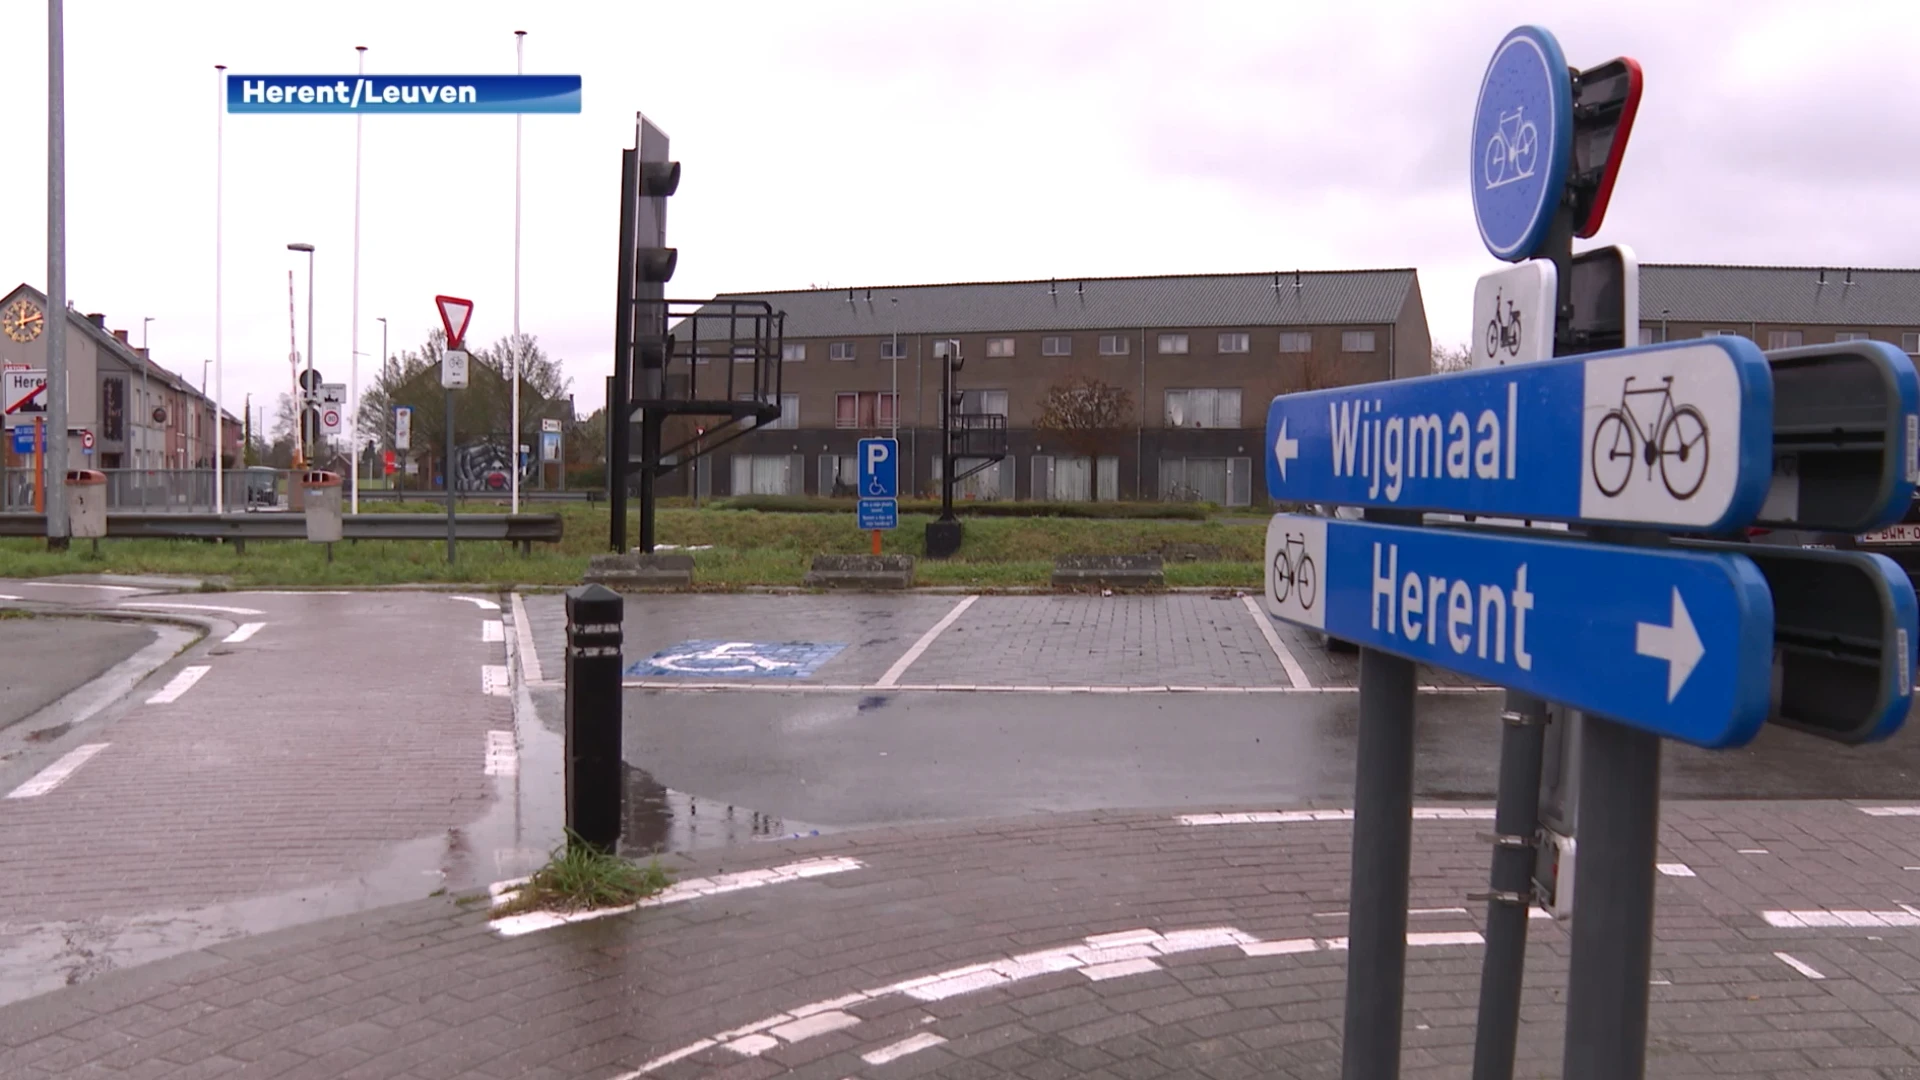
1513 151
1293 570
1675 440
1503 331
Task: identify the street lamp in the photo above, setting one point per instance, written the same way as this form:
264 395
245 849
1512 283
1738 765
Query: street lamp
300 444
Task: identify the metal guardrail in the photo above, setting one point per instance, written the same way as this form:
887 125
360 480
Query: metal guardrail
522 529
435 495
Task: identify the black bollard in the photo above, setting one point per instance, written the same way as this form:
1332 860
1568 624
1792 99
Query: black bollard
594 614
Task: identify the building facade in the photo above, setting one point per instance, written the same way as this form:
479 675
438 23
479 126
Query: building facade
141 415
1780 307
1198 357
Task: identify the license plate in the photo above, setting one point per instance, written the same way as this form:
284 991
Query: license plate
1903 533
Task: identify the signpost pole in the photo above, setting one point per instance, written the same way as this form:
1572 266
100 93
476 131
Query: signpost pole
1613 913
39 473
1382 860
446 471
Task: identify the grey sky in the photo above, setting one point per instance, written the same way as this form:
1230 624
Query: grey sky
896 143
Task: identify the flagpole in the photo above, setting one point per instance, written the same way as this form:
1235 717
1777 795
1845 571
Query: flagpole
513 451
353 365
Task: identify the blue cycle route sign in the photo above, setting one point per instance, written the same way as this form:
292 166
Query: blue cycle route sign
1522 142
1676 436
1676 643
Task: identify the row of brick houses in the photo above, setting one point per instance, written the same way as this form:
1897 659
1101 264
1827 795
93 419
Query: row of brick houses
1200 356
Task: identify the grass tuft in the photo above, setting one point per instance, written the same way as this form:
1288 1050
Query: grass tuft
578 877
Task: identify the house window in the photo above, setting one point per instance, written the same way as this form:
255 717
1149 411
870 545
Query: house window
989 483
1910 344
1649 335
1784 339
1056 346
1718 333
1075 479
892 350
1173 344
794 352
864 409
999 346
1296 341
979 402
742 354
1204 408
1113 344
1356 341
1852 335
840 350
1233 343
1221 481
768 474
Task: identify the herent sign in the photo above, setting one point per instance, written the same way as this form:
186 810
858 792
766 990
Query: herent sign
403 93
1677 642
1676 435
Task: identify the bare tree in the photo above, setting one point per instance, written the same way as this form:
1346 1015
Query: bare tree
1458 358
1086 412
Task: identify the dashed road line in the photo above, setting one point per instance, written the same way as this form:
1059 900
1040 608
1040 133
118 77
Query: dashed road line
1889 811
1800 966
480 602
245 631
1830 919
82 585
912 1044
1295 673
1097 958
678 892
7 596
166 604
1296 817
523 643
906 660
495 681
503 757
56 774
179 684
1752 851
1675 869
492 630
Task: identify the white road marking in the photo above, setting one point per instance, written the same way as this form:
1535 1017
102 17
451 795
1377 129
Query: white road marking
1411 912
906 660
503 757
82 585
480 602
1799 965
690 889
1296 674
179 684
1752 851
5 596
295 592
523 639
1295 817
783 687
245 631
1099 957
163 604
1890 811
494 680
1675 869
56 774
1827 919
909 1045
492 630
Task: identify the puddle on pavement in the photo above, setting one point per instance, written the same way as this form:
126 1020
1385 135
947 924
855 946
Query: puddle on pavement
656 818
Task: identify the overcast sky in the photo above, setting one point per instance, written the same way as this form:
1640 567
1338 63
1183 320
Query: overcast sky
880 143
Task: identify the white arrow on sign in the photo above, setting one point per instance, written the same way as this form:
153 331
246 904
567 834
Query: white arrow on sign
1678 644
1285 449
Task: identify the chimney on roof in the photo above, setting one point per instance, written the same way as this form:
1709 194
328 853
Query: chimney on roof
869 300
98 319
1052 287
120 336
1296 280
1082 290
142 350
850 300
1849 277
1276 282
1822 279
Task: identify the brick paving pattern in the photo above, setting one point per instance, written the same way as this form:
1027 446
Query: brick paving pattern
822 978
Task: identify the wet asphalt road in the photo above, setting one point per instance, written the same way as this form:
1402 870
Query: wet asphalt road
850 760
44 658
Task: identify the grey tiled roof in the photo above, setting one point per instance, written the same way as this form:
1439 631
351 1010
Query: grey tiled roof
1779 294
1323 297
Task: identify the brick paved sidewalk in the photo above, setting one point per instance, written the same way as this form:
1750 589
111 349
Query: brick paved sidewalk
1109 945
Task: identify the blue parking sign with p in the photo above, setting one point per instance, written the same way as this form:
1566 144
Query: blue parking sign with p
879 469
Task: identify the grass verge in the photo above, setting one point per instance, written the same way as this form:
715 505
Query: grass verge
578 877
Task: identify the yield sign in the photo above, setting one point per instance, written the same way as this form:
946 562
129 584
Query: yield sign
454 313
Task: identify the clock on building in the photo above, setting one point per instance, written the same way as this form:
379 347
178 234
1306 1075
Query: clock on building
22 320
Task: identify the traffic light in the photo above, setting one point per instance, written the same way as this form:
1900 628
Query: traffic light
658 178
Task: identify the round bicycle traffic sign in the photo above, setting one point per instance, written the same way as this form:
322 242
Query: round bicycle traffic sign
1522 142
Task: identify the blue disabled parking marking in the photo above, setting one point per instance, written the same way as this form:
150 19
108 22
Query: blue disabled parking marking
739 659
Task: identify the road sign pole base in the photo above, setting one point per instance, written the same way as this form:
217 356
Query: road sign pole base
1382 856
943 539
1516 817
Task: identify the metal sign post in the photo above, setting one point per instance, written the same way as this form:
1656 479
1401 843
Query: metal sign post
879 486
454 316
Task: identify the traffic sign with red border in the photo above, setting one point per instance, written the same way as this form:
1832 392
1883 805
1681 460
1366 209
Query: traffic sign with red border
454 314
